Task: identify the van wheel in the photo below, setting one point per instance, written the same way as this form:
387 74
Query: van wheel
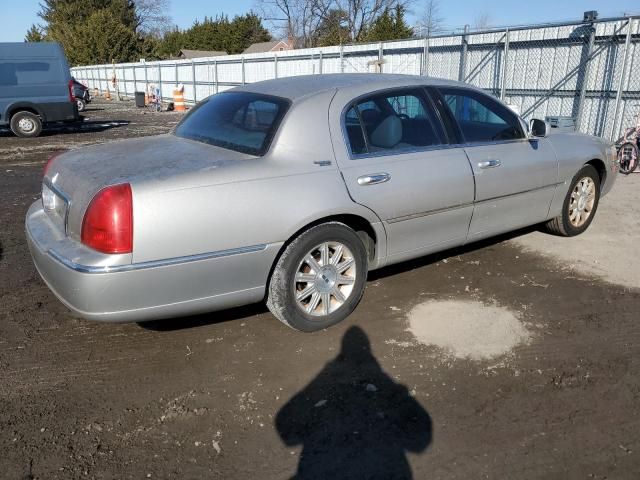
81 104
26 124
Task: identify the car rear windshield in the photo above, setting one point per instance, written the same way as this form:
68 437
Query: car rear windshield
241 121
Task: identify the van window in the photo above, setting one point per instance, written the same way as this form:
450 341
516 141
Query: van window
28 72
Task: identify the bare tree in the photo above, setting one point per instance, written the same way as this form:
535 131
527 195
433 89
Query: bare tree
153 17
432 21
301 19
295 19
482 21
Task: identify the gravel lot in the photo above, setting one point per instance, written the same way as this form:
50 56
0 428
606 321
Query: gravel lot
513 358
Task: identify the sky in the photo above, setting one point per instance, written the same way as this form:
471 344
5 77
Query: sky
16 16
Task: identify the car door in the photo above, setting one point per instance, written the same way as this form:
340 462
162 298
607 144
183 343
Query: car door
390 147
515 177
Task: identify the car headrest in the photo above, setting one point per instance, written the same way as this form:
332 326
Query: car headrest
370 116
388 134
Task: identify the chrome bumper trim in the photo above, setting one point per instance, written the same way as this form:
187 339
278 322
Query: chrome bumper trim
153 263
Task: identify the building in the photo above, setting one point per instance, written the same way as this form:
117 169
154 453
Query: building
200 53
273 46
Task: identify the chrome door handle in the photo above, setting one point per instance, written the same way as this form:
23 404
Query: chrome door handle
489 164
374 179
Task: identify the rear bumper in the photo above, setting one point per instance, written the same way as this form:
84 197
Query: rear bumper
89 285
59 111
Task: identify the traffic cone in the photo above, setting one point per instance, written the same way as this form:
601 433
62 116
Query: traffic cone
178 100
107 94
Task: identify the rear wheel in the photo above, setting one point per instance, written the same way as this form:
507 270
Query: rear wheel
628 156
81 104
26 124
579 205
319 279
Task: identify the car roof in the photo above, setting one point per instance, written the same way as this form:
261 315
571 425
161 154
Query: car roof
298 87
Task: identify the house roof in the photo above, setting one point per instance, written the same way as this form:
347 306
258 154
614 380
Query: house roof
263 46
200 53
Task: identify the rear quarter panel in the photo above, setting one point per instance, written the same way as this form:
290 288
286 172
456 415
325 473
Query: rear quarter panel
259 201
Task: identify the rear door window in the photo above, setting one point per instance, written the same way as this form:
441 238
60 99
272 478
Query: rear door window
396 121
481 119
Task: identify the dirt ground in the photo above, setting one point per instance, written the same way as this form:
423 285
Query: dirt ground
235 394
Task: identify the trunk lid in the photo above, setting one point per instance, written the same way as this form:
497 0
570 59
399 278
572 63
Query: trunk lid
167 161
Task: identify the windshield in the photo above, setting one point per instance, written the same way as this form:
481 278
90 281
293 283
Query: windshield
241 121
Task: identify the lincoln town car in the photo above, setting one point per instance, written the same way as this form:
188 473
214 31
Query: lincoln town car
289 191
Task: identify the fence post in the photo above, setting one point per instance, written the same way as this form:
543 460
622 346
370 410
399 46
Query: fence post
425 57
160 80
275 65
146 78
463 55
175 71
124 82
209 77
503 73
135 83
193 77
380 57
320 62
215 75
341 58
585 78
243 77
627 45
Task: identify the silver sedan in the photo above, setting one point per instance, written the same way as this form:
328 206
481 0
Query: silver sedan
291 190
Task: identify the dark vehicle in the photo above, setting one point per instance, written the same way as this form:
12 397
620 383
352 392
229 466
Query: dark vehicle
81 94
35 87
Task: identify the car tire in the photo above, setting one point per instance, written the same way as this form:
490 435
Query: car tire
308 300
628 157
81 104
579 206
26 124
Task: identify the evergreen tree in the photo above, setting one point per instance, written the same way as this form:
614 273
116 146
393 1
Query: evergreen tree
92 31
34 34
390 25
333 30
219 33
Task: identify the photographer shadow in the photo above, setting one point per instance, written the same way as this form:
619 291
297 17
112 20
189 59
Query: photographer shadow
353 420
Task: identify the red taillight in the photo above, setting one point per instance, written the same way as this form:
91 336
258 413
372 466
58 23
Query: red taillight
108 221
71 97
50 162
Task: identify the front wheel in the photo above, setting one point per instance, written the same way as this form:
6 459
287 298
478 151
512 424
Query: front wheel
628 157
319 279
580 204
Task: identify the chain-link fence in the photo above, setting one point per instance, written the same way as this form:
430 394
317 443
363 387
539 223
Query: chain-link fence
589 72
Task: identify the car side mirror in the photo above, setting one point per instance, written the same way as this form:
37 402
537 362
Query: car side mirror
538 128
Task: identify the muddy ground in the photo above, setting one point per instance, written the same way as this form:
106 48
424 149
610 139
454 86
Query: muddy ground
235 394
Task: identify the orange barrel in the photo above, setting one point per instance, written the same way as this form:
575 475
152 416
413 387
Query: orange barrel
178 101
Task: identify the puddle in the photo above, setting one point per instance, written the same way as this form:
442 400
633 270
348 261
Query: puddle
467 329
